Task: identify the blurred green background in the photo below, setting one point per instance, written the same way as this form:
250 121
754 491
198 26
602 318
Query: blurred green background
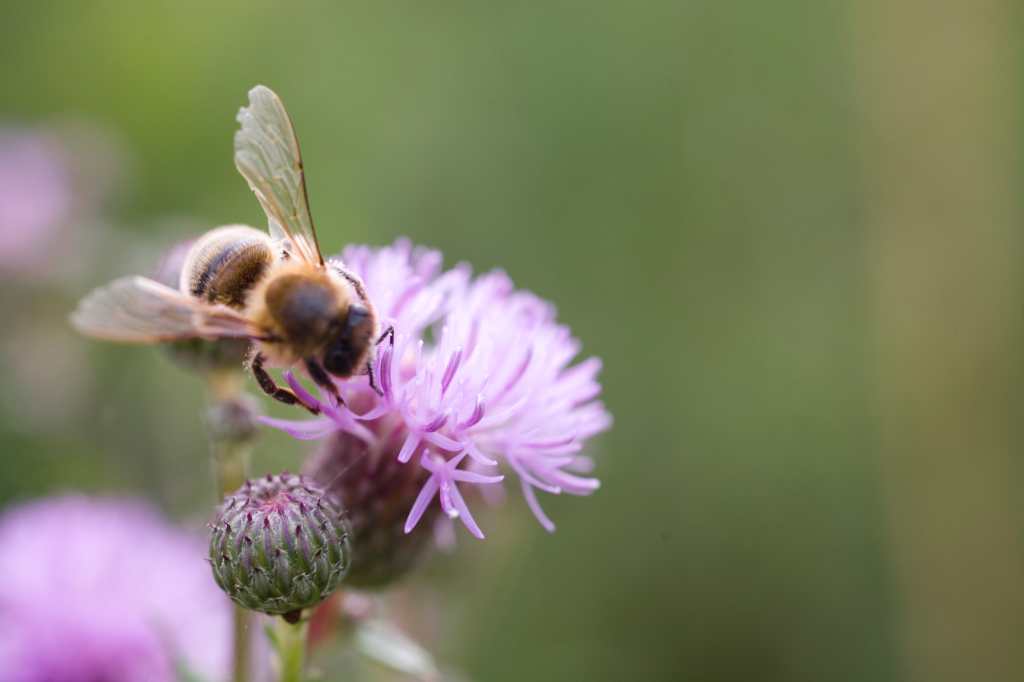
791 230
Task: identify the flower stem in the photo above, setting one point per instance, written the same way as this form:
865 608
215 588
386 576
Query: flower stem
291 648
240 658
231 424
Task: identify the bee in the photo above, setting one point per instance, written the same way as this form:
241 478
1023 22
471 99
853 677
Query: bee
273 288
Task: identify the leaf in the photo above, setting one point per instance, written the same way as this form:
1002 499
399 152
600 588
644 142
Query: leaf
385 644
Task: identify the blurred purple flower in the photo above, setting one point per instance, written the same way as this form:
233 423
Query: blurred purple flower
36 197
479 381
106 590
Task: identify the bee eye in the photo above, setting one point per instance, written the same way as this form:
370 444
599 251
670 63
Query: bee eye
356 315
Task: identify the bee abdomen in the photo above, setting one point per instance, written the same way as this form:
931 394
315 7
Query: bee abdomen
225 264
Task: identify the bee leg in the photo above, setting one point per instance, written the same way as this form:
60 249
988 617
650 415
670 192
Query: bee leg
373 380
269 387
323 379
389 334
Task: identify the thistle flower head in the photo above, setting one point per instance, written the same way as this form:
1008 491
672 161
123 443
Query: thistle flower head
99 589
478 383
279 545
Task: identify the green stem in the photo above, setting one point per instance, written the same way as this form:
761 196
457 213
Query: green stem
240 658
231 462
231 430
291 648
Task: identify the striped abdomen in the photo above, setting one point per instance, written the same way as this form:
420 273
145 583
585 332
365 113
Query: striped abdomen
225 263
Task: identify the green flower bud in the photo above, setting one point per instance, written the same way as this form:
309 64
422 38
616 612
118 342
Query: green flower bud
279 545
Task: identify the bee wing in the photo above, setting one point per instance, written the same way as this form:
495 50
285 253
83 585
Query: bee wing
139 310
268 157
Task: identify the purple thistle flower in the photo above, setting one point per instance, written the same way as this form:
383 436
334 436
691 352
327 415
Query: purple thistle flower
479 381
106 589
35 198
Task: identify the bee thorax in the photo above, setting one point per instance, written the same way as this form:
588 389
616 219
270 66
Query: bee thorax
302 307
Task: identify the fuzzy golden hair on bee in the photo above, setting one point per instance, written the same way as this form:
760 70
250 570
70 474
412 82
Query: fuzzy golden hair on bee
273 288
302 307
294 304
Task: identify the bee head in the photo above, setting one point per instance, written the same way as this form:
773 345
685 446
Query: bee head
347 348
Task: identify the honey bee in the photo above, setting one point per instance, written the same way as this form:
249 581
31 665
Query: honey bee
273 288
